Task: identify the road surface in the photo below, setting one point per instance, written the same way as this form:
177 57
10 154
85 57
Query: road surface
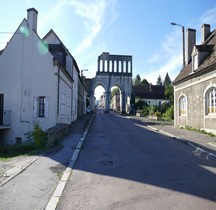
123 165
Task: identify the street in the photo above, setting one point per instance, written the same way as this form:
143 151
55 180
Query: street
122 165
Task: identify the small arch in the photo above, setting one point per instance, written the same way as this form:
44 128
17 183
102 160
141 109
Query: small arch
210 100
182 104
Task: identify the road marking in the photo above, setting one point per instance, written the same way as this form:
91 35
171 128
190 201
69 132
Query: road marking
53 202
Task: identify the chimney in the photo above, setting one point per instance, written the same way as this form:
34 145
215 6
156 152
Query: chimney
189 44
32 18
205 32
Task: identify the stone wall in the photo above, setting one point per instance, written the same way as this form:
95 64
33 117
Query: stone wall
196 112
57 132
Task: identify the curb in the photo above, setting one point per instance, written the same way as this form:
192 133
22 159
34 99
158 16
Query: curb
183 141
18 170
177 138
53 202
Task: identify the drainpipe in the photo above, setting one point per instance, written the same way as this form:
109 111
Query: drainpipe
56 63
58 93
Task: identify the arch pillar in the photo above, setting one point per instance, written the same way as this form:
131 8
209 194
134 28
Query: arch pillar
107 101
122 103
92 100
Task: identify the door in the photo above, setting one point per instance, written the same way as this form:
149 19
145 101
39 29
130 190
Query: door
1 108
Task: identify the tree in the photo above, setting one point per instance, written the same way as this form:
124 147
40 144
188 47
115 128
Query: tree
169 93
144 82
159 80
137 80
167 80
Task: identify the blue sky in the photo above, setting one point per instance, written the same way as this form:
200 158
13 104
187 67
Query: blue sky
139 28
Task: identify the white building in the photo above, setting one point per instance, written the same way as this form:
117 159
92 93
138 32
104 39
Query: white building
36 82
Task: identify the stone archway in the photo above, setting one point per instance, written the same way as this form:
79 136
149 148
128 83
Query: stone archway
113 70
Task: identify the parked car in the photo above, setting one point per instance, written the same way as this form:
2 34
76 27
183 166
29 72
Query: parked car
88 110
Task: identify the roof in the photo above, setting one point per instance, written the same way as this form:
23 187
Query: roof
61 47
87 84
149 91
207 65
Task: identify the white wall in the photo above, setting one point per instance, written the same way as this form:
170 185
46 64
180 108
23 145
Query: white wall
75 94
26 72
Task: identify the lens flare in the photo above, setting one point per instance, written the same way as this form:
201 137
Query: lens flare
42 47
24 31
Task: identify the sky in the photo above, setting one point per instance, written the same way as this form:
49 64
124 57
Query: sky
140 28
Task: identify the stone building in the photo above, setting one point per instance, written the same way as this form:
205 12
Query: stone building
195 85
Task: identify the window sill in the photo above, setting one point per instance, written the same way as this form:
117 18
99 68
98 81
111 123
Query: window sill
182 115
210 116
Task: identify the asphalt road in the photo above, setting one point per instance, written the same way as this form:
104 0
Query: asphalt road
122 165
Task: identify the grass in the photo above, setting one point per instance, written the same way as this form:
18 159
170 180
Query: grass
199 130
4 159
10 151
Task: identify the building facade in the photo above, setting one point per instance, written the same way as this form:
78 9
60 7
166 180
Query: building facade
195 86
36 82
153 95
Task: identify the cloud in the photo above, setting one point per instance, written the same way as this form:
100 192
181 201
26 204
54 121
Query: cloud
154 58
172 66
55 13
168 58
209 17
93 15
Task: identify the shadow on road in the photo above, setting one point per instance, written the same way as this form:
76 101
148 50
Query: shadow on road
147 157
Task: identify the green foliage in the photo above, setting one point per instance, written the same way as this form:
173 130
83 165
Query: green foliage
39 136
140 104
15 150
137 80
169 93
157 114
159 80
146 110
151 110
199 130
167 80
132 99
144 82
169 113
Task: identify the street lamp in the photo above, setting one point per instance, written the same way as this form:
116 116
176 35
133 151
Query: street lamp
83 71
183 40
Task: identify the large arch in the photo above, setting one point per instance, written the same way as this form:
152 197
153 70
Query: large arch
109 74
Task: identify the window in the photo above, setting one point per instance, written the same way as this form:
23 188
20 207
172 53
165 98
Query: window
211 101
182 105
40 106
195 62
41 110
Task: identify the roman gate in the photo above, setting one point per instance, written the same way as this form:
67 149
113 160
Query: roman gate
113 70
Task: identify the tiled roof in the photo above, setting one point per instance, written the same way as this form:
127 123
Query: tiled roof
149 91
208 64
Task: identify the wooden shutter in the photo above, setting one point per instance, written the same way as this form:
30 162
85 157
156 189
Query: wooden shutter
35 106
46 107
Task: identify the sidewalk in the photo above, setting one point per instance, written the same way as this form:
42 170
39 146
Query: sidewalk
14 166
196 139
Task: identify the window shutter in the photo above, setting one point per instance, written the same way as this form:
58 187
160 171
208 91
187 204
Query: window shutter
35 106
46 107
